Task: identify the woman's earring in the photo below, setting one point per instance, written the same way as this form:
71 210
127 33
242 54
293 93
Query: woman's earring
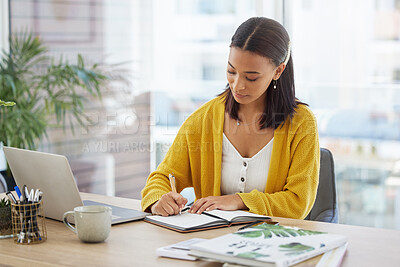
274 84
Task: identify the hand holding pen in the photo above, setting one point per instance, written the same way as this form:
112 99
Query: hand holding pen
170 203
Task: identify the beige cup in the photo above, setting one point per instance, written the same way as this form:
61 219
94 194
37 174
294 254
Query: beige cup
92 223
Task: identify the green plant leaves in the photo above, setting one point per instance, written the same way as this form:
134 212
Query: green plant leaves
252 234
4 202
7 104
42 87
268 231
295 248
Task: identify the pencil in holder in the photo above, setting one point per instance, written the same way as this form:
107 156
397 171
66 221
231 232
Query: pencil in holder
28 223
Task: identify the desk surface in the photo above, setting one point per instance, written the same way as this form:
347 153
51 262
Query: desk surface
134 244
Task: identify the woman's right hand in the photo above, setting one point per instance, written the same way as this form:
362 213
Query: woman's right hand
169 204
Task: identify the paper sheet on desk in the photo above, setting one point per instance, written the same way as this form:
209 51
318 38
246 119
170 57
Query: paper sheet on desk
179 250
333 258
114 217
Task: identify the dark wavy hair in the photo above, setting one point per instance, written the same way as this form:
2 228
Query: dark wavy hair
268 38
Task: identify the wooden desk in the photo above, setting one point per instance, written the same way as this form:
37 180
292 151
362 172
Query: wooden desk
134 244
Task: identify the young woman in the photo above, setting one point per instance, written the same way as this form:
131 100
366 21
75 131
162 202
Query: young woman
254 147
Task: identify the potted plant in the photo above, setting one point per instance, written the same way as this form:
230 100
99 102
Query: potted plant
5 218
42 86
48 92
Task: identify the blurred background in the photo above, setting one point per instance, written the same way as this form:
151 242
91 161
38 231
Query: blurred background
174 53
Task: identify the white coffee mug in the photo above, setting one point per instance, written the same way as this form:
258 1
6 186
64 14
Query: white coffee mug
92 223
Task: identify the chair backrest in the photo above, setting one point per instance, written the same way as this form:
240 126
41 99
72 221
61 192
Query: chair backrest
325 208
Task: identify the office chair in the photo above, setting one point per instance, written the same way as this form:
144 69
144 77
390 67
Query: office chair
325 208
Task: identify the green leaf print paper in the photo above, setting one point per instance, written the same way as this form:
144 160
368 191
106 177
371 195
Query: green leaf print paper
268 245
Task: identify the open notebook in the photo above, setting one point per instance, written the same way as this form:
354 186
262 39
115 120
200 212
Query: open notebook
188 222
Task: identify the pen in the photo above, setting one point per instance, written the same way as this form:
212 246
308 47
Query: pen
172 182
173 186
11 197
23 194
26 193
18 191
31 196
36 196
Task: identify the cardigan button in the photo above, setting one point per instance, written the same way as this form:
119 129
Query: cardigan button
242 179
244 164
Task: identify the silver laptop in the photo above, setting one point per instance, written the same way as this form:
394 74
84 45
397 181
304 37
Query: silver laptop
53 176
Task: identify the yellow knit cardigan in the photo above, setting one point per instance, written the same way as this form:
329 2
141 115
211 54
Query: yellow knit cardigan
195 160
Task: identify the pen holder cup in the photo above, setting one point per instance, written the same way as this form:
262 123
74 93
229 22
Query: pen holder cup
28 223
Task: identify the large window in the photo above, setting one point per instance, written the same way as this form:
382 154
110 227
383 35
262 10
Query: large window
347 61
191 49
346 56
347 68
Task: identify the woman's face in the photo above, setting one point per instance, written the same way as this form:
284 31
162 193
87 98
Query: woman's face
249 75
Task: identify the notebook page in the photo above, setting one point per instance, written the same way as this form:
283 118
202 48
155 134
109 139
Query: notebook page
184 220
230 214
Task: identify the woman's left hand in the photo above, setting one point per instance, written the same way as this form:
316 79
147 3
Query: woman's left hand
227 202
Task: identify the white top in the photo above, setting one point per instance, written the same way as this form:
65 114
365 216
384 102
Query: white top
242 175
